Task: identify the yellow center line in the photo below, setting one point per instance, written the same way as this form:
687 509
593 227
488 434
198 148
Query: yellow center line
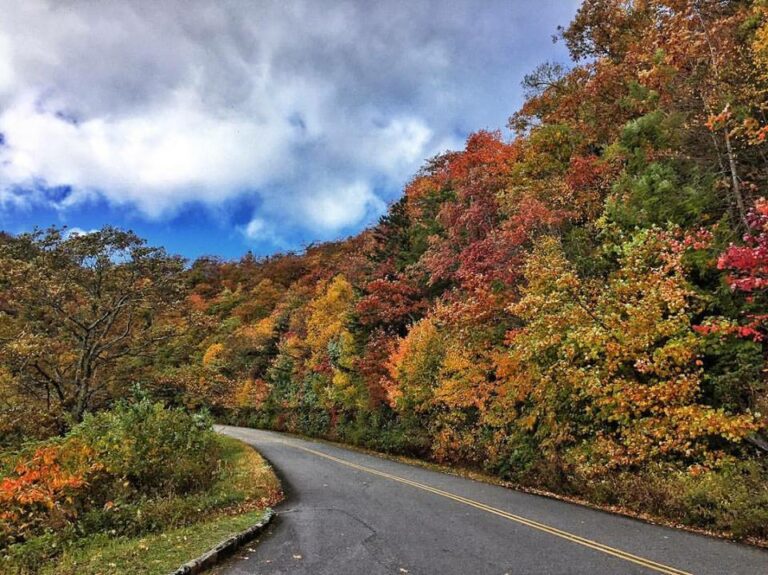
647 563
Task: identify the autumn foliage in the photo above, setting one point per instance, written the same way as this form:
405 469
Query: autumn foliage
103 468
38 494
578 304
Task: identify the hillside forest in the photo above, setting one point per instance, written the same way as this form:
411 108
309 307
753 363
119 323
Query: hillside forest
576 303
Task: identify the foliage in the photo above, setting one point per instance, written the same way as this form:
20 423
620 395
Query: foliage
149 449
578 306
106 464
415 366
748 264
165 531
76 310
622 352
567 307
39 495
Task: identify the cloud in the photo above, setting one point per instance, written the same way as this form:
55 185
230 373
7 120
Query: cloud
260 231
314 113
70 232
340 206
166 156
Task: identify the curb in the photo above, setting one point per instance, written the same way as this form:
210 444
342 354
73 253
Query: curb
226 548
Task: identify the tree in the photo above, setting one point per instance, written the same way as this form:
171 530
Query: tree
78 309
746 269
414 367
612 367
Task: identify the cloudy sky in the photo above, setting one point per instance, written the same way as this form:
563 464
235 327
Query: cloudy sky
217 127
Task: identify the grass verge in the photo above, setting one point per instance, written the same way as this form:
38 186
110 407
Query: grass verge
159 553
177 529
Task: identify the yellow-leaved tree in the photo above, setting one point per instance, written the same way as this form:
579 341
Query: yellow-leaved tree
332 348
608 369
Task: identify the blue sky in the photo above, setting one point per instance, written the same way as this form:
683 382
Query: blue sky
219 127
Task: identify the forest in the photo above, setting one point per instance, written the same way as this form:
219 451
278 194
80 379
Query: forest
576 303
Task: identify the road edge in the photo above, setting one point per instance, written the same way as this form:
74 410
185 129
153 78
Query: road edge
226 548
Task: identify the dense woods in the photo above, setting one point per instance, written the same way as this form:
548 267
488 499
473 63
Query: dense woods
578 304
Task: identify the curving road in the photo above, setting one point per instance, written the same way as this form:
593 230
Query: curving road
350 513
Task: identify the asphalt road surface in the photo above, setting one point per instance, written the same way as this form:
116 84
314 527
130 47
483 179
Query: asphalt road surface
350 513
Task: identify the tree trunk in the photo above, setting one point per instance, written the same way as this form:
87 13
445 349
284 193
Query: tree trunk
735 186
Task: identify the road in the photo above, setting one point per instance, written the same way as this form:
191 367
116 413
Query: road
350 513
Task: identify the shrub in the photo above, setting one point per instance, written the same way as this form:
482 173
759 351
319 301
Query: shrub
39 494
155 450
110 464
732 498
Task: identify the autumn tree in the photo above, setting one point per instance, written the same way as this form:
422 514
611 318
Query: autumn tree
738 341
414 367
79 311
581 299
615 363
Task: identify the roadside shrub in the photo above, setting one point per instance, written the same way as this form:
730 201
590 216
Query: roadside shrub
104 471
155 450
41 493
732 498
518 454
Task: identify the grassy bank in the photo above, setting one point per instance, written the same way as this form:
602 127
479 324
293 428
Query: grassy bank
174 529
158 553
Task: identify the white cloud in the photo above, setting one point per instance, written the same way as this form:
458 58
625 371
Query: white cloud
399 144
339 206
255 229
306 109
260 231
173 154
77 232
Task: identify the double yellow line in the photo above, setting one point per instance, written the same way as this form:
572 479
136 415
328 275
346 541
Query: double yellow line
647 563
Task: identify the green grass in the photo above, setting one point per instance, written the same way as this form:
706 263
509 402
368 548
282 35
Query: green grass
171 531
156 554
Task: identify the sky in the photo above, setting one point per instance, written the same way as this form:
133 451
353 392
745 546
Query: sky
214 128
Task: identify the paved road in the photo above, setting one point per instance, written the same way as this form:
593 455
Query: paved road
350 513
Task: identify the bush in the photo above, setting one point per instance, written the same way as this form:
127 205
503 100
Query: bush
156 450
732 498
151 531
40 494
112 463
